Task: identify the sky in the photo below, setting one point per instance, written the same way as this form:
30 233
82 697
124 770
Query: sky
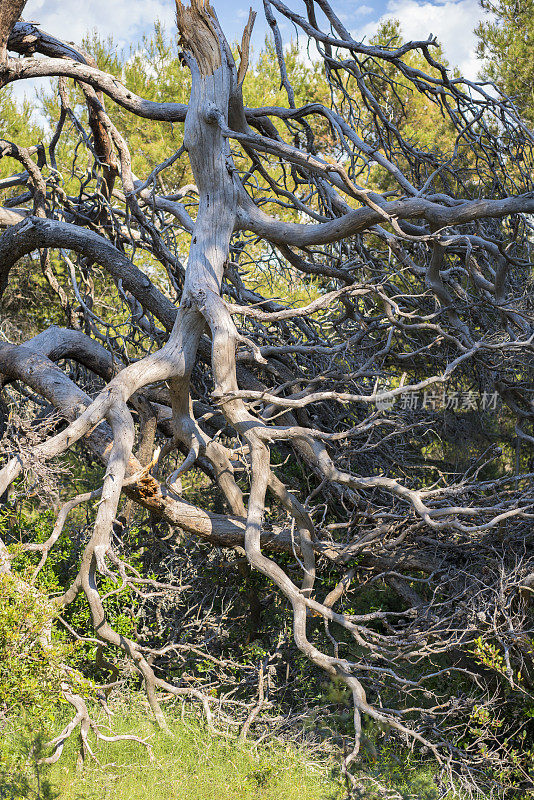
452 21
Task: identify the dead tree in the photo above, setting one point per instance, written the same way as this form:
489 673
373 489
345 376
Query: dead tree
424 293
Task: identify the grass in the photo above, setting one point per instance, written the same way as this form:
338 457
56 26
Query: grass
192 764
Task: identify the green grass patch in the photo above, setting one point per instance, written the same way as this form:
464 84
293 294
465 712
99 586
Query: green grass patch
191 764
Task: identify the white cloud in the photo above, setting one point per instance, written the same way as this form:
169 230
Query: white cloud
125 19
363 11
452 21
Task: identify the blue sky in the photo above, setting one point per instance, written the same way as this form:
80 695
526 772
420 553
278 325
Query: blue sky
453 21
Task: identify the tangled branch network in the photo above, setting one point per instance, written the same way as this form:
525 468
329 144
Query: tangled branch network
419 261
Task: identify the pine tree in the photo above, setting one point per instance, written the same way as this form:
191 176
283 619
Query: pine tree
506 43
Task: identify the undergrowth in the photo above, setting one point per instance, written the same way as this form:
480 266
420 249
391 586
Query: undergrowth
192 763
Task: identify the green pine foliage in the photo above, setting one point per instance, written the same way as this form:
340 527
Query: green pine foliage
506 44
